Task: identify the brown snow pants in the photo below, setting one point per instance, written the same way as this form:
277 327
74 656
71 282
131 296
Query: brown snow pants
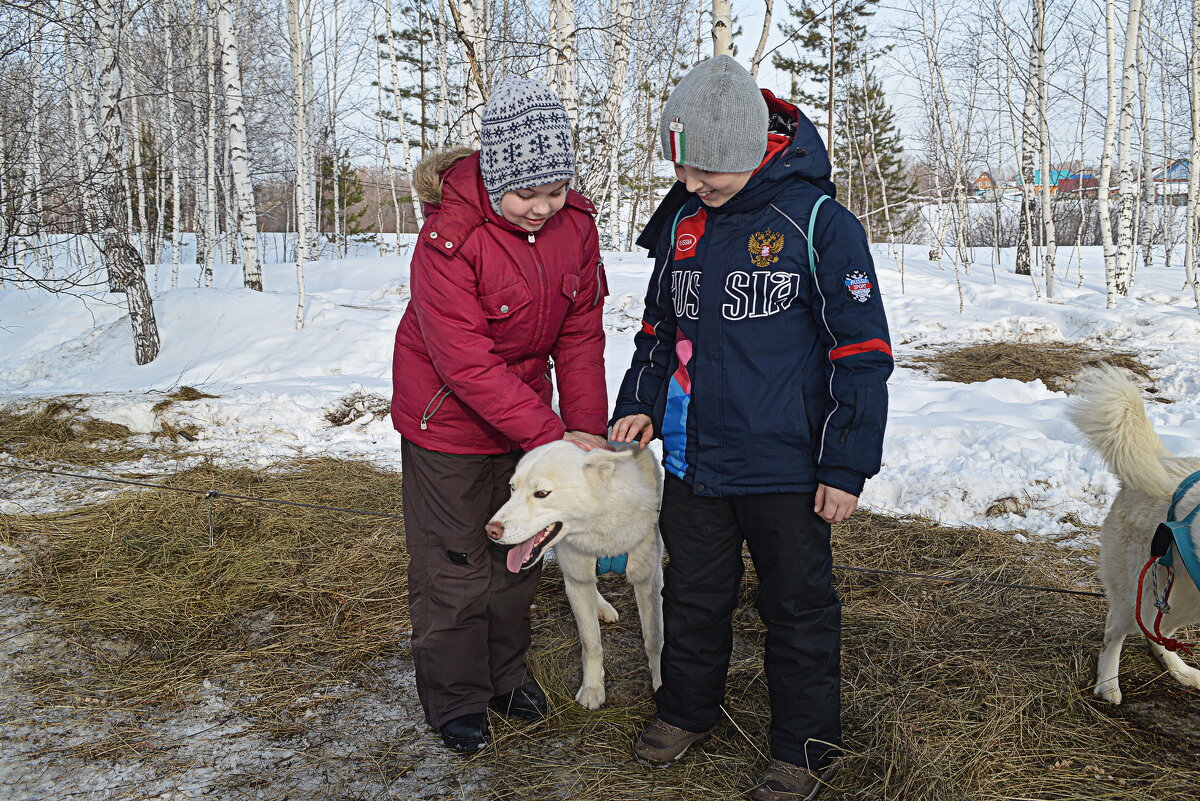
470 615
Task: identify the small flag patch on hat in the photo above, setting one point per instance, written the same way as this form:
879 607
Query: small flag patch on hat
677 140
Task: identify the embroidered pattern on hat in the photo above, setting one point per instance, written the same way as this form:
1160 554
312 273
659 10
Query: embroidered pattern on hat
526 138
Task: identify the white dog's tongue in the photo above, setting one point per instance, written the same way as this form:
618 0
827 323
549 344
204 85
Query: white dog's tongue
518 553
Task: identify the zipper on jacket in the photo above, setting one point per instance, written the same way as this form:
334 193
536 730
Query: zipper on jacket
537 337
850 426
431 409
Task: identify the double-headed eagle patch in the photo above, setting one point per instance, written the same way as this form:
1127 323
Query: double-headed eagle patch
765 247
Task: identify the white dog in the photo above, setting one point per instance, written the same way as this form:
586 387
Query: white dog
1110 412
588 505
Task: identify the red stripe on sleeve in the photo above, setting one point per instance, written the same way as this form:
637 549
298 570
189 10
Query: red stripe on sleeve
860 347
649 329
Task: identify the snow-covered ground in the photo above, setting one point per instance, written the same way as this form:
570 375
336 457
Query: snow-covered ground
952 450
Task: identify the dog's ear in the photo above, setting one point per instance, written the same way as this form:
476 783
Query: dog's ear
599 465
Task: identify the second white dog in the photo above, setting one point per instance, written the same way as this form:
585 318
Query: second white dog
1111 414
588 505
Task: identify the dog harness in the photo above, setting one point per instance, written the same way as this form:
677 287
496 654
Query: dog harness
611 564
1172 537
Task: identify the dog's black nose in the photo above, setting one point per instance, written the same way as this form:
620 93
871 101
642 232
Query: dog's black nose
494 530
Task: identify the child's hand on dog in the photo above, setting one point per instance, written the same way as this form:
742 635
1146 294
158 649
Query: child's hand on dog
634 426
587 441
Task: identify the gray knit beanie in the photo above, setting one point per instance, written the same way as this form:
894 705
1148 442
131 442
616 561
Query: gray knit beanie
526 138
715 119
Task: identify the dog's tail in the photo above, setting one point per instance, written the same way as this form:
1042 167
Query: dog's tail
1110 413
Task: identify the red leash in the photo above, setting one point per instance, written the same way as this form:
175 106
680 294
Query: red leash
1170 643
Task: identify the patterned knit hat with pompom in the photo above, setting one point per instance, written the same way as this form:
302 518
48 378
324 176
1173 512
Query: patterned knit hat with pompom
526 138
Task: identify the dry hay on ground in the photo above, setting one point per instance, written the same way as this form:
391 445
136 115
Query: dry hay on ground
59 431
284 598
184 394
951 691
1055 363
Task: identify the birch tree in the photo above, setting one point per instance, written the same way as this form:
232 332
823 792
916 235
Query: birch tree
297 51
1039 77
405 150
722 28
1106 153
563 57
121 258
1133 40
247 214
1193 189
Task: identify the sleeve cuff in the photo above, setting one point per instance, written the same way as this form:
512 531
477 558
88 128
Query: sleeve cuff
843 479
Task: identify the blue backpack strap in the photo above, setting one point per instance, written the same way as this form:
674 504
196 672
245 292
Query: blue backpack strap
812 224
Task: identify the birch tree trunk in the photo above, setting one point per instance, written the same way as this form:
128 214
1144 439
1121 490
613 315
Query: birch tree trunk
1106 154
297 51
173 144
610 122
1030 133
1125 161
243 188
722 28
199 197
1049 236
405 149
120 257
1144 227
466 26
210 150
443 113
563 77
762 38
1193 189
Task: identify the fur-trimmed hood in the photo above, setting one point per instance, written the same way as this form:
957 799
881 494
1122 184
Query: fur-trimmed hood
427 177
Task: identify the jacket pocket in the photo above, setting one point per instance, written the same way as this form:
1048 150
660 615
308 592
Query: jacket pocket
503 303
570 286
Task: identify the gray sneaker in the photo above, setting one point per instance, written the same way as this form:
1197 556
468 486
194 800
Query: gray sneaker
783 781
660 744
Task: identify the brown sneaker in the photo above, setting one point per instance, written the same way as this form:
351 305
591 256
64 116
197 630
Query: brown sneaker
660 744
783 781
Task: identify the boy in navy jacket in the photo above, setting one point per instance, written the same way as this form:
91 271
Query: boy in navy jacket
762 363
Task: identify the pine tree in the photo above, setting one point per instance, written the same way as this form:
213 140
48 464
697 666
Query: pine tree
810 31
874 175
350 194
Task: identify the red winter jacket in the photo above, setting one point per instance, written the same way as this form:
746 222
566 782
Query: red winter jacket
491 305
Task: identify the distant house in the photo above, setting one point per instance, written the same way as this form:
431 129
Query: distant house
1170 181
1084 183
983 183
1055 177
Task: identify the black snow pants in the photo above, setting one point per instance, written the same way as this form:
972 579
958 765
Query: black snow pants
789 544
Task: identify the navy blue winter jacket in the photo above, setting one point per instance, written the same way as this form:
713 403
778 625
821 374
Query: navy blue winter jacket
764 372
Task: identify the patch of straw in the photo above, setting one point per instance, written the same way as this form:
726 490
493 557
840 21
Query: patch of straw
285 598
183 394
60 431
1055 363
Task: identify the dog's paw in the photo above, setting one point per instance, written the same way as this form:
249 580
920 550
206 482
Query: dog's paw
606 612
1109 690
1188 677
590 697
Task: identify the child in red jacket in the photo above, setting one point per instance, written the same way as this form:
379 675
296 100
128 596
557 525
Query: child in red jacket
507 285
